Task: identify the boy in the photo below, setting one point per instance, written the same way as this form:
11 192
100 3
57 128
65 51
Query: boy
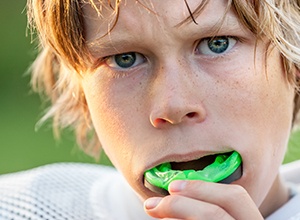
169 81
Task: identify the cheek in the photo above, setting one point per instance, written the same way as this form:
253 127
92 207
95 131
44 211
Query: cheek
113 116
259 95
251 107
264 119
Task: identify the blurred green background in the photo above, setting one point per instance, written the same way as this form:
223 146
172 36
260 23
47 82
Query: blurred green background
21 146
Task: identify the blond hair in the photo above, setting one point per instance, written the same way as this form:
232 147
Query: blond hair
64 53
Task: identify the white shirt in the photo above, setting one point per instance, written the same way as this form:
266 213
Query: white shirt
290 210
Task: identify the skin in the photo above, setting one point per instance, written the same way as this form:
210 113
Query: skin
178 103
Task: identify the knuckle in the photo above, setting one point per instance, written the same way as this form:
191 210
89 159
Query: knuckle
228 198
238 191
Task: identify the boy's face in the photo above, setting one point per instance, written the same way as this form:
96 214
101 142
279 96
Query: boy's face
172 94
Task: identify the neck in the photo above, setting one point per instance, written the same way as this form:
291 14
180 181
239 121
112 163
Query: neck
276 197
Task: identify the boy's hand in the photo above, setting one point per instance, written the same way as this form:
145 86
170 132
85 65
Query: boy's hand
203 200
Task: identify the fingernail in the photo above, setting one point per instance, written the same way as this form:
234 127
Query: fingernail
152 202
177 186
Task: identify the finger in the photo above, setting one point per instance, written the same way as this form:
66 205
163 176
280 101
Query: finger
234 199
181 207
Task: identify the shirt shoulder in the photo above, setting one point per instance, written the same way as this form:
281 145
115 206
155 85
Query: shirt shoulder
290 211
291 172
57 191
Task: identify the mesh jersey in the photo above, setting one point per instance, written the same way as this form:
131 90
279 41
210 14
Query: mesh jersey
72 191
68 191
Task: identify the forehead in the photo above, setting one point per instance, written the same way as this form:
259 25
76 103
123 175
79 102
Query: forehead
164 15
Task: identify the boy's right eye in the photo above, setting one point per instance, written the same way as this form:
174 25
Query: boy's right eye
125 60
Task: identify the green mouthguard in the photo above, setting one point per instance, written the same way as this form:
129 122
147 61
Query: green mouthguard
223 166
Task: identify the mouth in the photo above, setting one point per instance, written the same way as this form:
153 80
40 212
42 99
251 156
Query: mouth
222 168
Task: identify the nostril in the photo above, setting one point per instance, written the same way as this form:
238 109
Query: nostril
191 114
160 121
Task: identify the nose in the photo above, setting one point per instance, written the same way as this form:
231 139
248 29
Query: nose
176 99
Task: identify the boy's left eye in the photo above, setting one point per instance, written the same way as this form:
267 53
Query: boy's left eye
216 45
125 60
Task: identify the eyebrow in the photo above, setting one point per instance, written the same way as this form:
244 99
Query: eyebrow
108 46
